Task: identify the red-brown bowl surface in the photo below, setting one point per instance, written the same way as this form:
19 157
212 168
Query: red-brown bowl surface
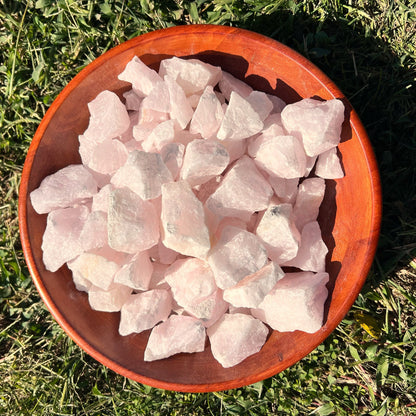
349 216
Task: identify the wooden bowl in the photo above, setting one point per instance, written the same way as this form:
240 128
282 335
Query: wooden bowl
349 216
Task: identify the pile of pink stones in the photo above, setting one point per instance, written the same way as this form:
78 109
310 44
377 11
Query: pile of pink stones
194 191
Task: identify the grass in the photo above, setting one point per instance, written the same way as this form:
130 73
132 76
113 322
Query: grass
368 365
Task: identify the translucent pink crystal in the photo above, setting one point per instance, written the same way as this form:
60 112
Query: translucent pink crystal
101 198
328 165
68 186
108 156
177 334
172 157
234 337
260 103
285 189
94 233
110 300
228 83
133 101
161 135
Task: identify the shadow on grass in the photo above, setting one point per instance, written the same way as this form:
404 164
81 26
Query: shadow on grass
381 90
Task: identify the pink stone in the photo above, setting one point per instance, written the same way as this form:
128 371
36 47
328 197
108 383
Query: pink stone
237 254
101 198
61 239
204 191
176 335
228 83
147 115
204 160
162 134
132 223
157 281
278 233
81 284
141 131
180 109
95 268
143 173
172 156
158 99
108 117
108 156
295 303
99 178
235 148
250 292
282 156
234 337
162 254
310 163
142 78
328 165
260 103
185 136
243 191
183 220
309 198
137 273
193 100
226 222
144 310
278 103
240 120
312 250
208 115
68 186
128 134
285 189
133 100
94 233
192 75
110 300
319 123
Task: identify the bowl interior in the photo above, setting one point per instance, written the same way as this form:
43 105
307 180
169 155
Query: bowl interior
349 216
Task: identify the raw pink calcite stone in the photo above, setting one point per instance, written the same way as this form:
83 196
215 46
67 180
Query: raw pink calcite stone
108 156
157 281
204 191
162 254
260 103
203 160
192 75
180 109
312 250
133 224
81 284
210 309
99 178
282 156
142 78
285 189
278 103
141 131
240 120
193 100
161 135
235 148
229 83
243 191
137 273
183 220
128 134
144 173
208 115
177 334
158 99
328 165
101 199
61 239
319 123
310 163
133 101
308 200
110 300
228 222
147 115
143 311
191 280
108 117
234 337
172 157
295 303
94 233
185 136
68 186
250 292
237 254
278 233
97 269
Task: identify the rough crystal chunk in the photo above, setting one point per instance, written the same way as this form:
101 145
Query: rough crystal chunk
250 292
101 199
68 186
133 101
278 233
177 334
144 173
260 103
133 224
240 120
108 156
234 337
172 157
183 220
158 99
312 250
204 159
238 254
295 303
94 233
110 300
243 191
285 189
192 75
142 78
137 273
278 103
143 311
61 239
319 123
309 198
229 83
161 135
328 165
208 115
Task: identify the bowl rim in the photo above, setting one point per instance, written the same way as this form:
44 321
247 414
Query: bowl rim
301 61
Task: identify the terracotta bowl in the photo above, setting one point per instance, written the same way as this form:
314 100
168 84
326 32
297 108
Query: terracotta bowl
349 216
